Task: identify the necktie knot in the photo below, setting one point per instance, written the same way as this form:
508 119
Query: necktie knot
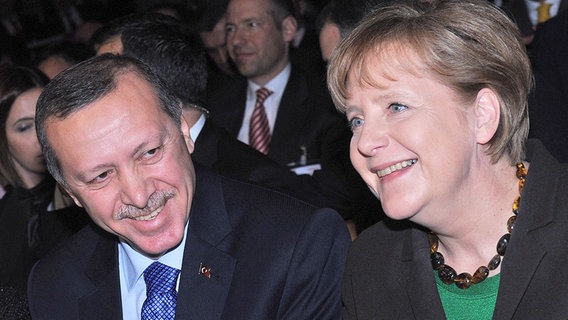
262 94
160 278
161 294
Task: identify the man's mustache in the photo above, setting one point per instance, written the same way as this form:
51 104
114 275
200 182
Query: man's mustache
156 200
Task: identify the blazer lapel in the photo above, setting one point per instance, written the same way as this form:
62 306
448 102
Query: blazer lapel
103 302
524 257
419 279
530 238
207 271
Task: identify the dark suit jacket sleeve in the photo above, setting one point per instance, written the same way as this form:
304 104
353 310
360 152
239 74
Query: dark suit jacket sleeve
313 283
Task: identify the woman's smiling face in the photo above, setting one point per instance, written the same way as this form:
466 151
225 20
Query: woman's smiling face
413 138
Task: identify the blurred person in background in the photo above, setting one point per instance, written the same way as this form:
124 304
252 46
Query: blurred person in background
30 224
57 57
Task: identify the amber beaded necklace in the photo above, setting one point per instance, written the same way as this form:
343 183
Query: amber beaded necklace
464 280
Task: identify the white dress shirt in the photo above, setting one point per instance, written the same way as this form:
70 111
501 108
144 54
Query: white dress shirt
271 104
195 130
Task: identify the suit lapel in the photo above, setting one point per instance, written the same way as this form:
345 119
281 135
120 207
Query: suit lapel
419 278
205 281
103 302
531 237
207 271
235 112
290 119
524 257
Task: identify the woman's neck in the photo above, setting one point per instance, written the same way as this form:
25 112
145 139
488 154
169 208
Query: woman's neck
470 239
31 180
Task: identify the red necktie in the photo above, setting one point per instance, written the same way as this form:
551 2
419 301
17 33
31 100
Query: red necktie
259 134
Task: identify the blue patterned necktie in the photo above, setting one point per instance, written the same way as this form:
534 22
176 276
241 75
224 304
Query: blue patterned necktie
161 294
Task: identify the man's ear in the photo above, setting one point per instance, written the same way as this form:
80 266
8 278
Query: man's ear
186 136
488 114
289 28
71 194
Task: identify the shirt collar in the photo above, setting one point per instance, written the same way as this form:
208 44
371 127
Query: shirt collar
196 128
134 263
277 84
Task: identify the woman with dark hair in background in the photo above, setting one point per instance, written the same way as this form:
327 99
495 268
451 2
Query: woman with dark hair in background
29 224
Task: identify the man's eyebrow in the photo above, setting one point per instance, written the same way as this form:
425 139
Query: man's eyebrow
83 176
248 20
160 138
139 149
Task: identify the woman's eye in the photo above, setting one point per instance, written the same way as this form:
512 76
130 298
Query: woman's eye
24 128
355 123
397 107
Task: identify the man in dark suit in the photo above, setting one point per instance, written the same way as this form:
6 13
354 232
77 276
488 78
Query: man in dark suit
549 108
299 111
117 142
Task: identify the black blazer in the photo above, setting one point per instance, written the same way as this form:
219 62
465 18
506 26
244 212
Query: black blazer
389 274
271 257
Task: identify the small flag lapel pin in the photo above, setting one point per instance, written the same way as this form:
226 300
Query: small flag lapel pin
204 270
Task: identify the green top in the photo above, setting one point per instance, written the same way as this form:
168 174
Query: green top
475 303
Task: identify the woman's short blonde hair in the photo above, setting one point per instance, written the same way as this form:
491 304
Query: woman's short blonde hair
467 45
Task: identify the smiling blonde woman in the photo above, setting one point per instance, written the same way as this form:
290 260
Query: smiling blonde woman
436 97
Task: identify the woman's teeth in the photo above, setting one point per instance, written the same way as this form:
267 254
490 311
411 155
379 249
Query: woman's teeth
395 167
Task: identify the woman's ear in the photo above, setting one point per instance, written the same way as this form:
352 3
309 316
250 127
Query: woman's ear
488 114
